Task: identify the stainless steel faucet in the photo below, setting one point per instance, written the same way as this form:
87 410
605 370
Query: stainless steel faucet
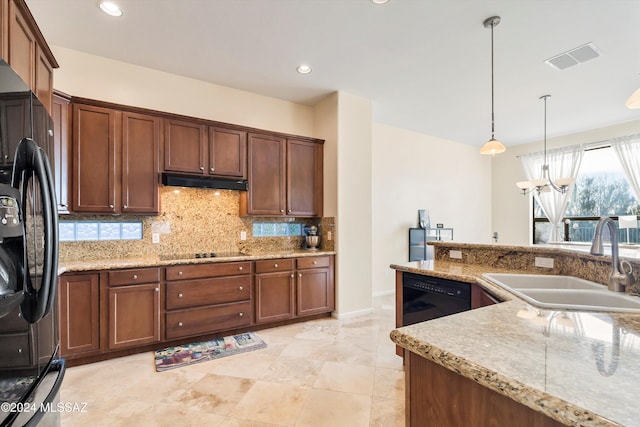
619 278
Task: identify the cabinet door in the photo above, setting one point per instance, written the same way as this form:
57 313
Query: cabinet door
95 133
140 163
22 46
13 110
227 153
60 156
79 300
274 297
43 87
304 178
266 161
184 146
134 315
315 292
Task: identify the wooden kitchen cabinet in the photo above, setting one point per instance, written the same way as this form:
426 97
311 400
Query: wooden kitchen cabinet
227 153
185 145
440 397
79 307
274 290
61 149
134 307
314 285
115 161
285 177
26 51
206 298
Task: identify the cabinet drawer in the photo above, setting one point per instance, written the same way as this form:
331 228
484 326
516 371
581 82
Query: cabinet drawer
201 271
199 321
273 265
15 350
312 262
195 293
134 276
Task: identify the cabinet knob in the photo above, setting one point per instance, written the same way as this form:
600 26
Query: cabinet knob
180 295
179 323
292 276
289 211
201 168
241 314
275 265
179 273
240 268
299 274
125 206
241 288
20 350
157 289
212 169
315 262
281 210
111 206
135 277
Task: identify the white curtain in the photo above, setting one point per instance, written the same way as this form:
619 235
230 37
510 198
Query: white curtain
563 163
628 150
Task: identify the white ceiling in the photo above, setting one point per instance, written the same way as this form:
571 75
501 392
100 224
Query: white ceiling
424 64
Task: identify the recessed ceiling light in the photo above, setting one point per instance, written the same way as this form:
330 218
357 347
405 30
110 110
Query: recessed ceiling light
380 1
110 8
304 69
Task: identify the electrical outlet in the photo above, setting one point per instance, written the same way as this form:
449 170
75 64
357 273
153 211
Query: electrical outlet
455 254
328 235
155 237
543 262
243 235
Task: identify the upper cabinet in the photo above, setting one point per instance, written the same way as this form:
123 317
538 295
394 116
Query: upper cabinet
115 161
61 146
285 177
191 148
26 51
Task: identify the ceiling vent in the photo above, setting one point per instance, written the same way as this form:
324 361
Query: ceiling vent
574 56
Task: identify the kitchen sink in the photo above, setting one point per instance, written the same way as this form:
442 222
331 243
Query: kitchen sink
565 293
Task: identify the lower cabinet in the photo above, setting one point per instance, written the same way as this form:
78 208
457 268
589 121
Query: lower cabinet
108 311
79 305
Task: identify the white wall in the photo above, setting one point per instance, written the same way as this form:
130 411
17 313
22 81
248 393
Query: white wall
511 212
95 77
414 171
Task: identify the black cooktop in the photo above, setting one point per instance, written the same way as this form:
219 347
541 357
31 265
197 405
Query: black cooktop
199 255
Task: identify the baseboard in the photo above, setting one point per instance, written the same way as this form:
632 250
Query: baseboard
383 293
352 313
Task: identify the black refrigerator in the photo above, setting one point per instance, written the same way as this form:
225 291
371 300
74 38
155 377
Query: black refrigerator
30 371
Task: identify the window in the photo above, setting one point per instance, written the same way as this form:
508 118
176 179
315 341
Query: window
72 231
601 189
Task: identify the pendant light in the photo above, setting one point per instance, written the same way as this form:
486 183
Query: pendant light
545 184
493 146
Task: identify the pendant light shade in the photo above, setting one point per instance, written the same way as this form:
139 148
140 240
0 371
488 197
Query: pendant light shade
493 146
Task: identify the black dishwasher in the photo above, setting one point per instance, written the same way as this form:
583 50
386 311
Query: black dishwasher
425 298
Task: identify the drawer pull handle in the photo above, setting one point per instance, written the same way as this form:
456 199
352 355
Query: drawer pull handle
315 262
275 265
135 277
180 324
241 288
239 268
180 295
179 273
241 314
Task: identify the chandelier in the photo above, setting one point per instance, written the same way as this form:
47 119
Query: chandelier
545 184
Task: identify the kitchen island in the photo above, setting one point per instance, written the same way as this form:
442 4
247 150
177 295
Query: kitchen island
539 367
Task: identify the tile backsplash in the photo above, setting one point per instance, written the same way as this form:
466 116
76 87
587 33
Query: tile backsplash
191 220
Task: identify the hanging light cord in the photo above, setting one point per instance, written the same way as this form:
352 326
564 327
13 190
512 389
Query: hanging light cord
492 114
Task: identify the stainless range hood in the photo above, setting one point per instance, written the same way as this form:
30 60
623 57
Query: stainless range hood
178 180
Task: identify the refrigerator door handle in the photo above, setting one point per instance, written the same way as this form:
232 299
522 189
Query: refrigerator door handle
31 160
49 404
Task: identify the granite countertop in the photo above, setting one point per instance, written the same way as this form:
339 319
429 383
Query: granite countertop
579 368
65 266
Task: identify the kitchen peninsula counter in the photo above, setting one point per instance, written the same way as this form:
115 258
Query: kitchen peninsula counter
579 370
67 266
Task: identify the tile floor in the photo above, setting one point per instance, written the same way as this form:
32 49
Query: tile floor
326 372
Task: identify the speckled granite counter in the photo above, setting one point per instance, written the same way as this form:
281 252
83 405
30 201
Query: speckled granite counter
579 368
153 261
